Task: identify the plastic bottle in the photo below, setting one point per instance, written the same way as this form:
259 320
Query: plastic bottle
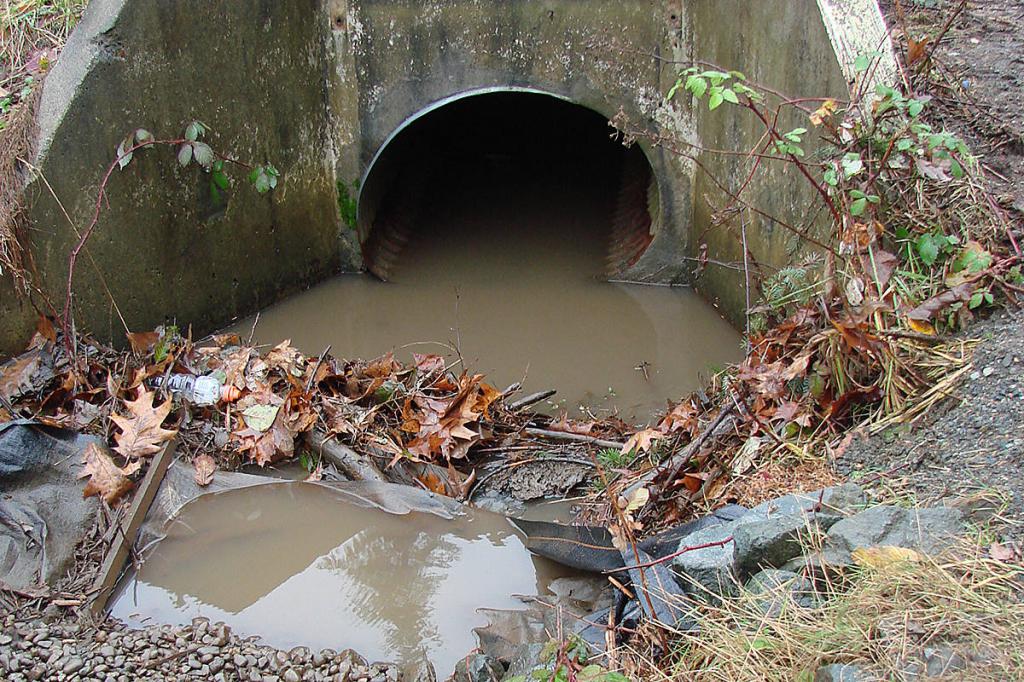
204 390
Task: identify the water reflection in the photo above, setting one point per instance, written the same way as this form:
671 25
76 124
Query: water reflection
296 564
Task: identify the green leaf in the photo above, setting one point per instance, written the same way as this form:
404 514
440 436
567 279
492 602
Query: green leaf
858 206
185 155
915 108
852 164
194 130
831 177
976 300
927 247
142 136
673 89
202 154
974 258
124 157
955 169
697 85
220 179
730 96
716 98
857 194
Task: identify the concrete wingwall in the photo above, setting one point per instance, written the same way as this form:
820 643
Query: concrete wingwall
320 87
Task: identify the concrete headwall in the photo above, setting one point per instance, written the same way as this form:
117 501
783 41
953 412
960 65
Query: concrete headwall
320 87
254 71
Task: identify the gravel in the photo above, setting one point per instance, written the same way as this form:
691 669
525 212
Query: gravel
974 445
34 650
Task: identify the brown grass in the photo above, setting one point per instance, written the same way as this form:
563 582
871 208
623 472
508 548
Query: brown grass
882 620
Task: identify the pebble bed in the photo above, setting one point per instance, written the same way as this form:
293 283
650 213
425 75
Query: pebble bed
35 650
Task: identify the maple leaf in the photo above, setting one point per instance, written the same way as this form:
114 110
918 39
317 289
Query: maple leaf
682 417
641 441
205 468
141 432
441 424
106 479
284 357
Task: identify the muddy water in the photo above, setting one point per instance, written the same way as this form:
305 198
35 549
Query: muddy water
507 270
298 565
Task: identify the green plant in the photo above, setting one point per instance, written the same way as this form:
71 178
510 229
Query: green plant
566 661
347 203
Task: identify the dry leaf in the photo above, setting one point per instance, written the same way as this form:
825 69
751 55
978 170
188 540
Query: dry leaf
916 49
638 499
143 342
884 556
921 326
205 468
641 441
141 433
106 479
1002 552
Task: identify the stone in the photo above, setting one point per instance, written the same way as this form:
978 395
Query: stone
478 668
842 672
73 665
772 541
780 589
840 500
943 660
927 530
710 572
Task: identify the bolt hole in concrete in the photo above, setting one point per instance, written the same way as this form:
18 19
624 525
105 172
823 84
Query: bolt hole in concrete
493 219
300 565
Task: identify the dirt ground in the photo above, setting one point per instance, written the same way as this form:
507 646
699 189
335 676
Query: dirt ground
974 444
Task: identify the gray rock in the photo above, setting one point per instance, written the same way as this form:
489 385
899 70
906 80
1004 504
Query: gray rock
526 660
73 665
478 668
927 530
782 589
771 542
842 672
711 571
840 500
942 660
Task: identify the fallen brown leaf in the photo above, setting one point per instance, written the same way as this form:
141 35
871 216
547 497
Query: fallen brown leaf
106 479
205 468
141 433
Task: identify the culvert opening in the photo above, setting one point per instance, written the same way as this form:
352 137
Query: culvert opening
495 221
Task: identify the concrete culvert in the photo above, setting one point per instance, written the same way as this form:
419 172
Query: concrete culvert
519 146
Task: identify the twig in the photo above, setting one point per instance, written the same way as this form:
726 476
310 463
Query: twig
573 437
531 399
673 555
316 368
678 461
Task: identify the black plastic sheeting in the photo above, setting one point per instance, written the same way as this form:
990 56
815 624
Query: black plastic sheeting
42 513
656 594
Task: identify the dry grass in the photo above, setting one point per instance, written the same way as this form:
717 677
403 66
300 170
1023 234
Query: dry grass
32 33
882 620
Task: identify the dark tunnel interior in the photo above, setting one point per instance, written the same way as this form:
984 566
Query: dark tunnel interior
505 154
